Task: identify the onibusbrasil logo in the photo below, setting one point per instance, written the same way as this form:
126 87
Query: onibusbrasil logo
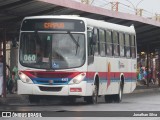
21 114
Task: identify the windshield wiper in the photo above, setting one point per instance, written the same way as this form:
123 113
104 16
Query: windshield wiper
77 46
74 40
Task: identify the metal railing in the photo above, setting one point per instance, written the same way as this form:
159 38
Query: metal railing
130 8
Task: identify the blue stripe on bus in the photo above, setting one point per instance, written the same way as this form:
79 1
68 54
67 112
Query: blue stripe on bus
113 80
56 81
59 81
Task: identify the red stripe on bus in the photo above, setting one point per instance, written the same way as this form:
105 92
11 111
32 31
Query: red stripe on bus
112 74
55 74
50 74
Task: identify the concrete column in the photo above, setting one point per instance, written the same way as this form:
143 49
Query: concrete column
4 63
147 65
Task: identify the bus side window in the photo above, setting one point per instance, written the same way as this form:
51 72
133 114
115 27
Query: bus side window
121 43
127 46
96 50
133 47
109 43
115 43
102 42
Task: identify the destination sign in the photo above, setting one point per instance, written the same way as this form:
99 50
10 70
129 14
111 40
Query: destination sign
53 24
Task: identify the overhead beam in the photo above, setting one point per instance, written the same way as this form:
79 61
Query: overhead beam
10 13
148 30
10 21
114 20
126 23
100 11
53 9
148 36
152 46
90 15
149 40
144 27
2 8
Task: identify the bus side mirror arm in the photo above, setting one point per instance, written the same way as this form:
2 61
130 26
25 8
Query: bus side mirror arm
94 39
93 42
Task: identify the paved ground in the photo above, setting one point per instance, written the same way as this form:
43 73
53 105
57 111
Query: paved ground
14 99
143 99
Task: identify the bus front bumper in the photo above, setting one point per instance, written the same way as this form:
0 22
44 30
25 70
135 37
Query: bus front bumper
54 90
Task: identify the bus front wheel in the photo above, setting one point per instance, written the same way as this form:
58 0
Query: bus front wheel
92 99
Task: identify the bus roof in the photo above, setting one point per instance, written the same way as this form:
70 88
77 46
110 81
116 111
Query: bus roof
110 26
91 22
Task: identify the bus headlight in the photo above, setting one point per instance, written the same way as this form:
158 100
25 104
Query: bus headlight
25 78
78 78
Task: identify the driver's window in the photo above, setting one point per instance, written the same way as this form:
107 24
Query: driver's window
28 43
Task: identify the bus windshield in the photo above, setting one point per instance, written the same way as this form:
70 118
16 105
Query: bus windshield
52 50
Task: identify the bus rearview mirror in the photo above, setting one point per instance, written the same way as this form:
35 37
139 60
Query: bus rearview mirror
94 39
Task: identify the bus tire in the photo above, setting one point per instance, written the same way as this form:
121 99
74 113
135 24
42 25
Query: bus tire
34 99
118 97
93 99
109 98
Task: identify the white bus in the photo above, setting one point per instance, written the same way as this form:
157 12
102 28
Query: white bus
76 57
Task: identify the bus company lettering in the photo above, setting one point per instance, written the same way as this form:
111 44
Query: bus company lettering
121 65
53 25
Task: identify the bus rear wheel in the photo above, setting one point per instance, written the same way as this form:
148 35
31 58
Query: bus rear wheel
118 97
115 98
92 99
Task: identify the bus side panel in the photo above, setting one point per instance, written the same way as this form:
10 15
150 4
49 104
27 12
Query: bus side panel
109 75
99 67
134 74
127 75
113 74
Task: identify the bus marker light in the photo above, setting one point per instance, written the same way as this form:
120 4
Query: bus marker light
75 89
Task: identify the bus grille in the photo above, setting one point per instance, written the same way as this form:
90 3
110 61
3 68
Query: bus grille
54 89
46 82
